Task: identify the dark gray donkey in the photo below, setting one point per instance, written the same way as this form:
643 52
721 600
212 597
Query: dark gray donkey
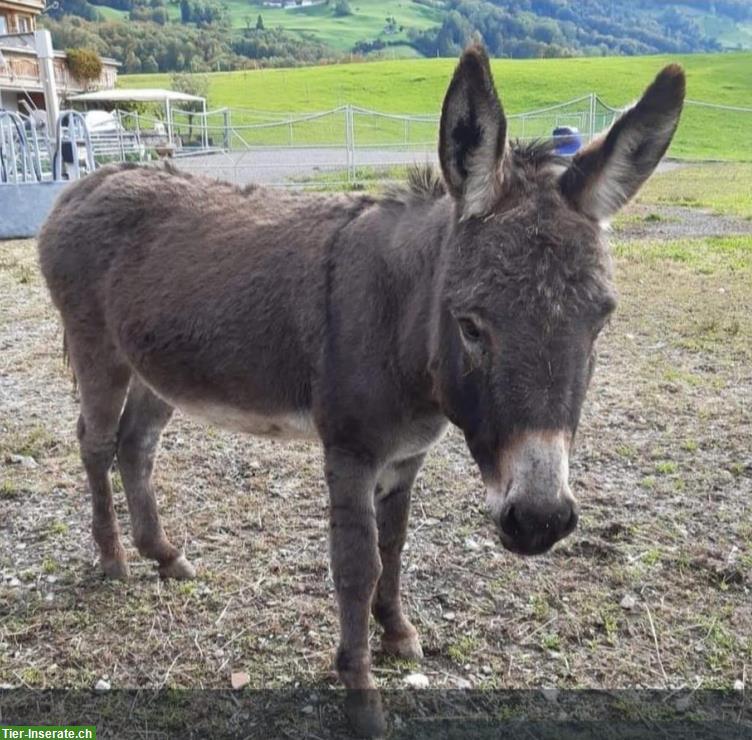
364 322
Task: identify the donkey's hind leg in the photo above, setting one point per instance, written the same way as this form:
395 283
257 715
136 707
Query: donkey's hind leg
103 384
143 420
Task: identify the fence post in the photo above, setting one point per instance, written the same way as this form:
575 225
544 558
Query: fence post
141 152
226 116
349 143
205 132
592 116
12 147
352 142
121 145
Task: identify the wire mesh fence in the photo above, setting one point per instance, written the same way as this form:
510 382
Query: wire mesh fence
351 145
345 145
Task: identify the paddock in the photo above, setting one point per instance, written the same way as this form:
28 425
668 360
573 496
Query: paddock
651 591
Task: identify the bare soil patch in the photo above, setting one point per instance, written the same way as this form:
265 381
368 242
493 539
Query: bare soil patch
653 589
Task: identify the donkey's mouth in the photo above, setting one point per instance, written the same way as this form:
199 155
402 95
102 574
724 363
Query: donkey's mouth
529 549
532 530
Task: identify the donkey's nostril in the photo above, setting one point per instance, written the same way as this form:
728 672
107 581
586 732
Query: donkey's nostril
508 522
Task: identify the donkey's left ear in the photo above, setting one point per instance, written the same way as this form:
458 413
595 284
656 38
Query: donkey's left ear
472 135
607 173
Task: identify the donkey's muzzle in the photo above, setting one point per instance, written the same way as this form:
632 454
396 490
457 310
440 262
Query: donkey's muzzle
531 502
529 526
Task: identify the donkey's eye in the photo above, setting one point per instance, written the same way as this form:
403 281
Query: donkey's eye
469 329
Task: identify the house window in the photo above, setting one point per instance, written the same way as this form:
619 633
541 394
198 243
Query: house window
3 25
24 24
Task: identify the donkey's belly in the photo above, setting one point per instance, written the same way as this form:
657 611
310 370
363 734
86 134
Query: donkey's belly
293 425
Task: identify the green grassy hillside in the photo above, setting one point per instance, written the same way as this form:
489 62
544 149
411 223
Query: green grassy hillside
417 86
729 34
368 18
320 22
341 33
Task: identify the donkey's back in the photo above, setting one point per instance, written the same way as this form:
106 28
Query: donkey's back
203 290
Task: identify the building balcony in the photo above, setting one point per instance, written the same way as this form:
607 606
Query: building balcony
19 69
35 6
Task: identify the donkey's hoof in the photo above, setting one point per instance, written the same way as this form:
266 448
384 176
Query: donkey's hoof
116 568
407 647
365 713
178 568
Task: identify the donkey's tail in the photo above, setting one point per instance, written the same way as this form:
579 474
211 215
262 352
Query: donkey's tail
67 362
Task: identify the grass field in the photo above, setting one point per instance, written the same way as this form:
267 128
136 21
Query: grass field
729 34
112 14
417 86
320 23
722 189
342 33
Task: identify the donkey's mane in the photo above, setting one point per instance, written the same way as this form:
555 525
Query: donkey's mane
538 153
425 183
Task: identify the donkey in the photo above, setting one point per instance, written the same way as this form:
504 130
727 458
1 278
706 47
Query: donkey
365 322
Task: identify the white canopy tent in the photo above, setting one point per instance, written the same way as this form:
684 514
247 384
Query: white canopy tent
144 95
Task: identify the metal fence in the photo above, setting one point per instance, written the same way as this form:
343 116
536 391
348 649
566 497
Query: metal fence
350 144
347 145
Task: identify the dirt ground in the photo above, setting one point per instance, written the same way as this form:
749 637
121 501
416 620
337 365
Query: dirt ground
652 590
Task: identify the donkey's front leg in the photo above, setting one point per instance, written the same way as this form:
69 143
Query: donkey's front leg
392 512
356 569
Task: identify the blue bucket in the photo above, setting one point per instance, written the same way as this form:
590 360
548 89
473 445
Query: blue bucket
567 140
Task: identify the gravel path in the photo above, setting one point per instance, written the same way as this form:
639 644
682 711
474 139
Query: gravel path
676 222
284 165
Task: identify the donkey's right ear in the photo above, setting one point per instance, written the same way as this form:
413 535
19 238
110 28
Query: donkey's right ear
472 135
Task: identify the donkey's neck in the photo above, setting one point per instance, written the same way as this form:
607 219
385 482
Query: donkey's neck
412 255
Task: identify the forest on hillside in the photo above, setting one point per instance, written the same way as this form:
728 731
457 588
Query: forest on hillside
202 35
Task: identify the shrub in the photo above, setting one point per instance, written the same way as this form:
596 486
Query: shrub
84 64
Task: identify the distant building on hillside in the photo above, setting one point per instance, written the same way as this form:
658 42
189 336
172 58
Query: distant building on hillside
21 84
292 3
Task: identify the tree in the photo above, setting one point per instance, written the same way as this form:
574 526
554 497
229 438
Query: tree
342 8
150 64
191 84
132 63
259 23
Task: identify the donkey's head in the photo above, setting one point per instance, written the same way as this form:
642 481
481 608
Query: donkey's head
525 287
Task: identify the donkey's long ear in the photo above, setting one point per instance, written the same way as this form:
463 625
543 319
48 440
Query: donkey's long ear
607 173
472 135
